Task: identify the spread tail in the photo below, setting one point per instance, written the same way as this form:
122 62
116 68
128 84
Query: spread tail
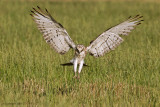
70 64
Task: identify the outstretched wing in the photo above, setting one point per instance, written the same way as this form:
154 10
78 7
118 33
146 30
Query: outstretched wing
110 39
53 32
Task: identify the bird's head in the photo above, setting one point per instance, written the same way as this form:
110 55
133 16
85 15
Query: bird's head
80 48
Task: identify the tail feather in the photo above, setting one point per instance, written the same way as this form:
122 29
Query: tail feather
70 64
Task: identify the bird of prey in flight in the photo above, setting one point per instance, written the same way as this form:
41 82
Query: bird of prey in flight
58 38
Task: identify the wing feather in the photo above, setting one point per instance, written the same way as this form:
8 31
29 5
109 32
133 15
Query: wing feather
53 32
110 39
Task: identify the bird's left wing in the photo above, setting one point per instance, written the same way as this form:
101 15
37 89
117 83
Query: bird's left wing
53 32
110 39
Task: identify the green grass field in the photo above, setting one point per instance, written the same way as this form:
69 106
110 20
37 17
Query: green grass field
30 71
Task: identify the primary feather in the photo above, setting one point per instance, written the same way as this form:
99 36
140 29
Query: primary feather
110 39
53 32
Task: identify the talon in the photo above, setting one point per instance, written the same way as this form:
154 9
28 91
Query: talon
78 76
75 77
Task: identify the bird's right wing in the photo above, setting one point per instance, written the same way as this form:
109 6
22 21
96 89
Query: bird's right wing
53 32
110 39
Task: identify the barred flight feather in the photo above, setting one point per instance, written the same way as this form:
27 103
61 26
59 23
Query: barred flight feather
110 39
53 32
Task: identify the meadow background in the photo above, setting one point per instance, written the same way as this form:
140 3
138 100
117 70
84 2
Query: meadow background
30 71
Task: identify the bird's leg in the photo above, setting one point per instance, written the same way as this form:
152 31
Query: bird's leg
80 68
75 68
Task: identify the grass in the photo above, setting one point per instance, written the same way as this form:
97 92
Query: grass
30 71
